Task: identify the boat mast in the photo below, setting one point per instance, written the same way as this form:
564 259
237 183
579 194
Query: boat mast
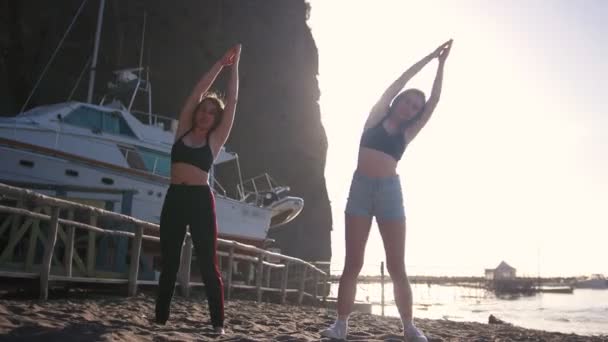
95 51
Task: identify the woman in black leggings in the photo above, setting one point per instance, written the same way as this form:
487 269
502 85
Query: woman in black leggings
204 126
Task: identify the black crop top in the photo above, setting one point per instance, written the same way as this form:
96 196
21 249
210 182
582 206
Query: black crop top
379 139
201 157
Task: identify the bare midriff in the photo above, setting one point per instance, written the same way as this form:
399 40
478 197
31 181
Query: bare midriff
186 174
376 164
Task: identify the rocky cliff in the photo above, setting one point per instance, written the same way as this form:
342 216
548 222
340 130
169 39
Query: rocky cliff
278 127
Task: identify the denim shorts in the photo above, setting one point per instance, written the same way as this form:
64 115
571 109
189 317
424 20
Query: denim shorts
379 197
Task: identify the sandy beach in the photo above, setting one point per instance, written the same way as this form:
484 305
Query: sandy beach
110 318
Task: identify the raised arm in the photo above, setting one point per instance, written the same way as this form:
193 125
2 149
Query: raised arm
218 137
203 85
412 130
381 107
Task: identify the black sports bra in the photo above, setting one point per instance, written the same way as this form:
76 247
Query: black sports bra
379 139
201 157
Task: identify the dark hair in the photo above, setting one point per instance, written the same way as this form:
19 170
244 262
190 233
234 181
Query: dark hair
219 105
400 97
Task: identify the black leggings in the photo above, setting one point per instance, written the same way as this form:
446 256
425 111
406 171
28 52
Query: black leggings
194 206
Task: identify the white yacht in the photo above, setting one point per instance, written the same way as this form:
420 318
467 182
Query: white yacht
84 148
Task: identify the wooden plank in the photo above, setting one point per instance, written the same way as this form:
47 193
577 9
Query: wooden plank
155 283
69 245
185 265
48 211
91 252
302 283
253 287
48 255
230 271
10 221
134 266
26 275
68 240
15 225
244 286
292 290
88 280
259 275
284 283
31 246
85 226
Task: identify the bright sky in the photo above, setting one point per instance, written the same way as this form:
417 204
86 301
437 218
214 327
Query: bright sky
513 164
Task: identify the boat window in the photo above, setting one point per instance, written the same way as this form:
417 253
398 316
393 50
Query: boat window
158 163
26 163
99 121
133 158
72 173
85 117
155 162
114 123
108 181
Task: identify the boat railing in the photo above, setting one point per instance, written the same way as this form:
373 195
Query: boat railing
257 189
217 185
161 121
53 222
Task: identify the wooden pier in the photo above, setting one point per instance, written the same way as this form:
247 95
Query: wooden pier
55 240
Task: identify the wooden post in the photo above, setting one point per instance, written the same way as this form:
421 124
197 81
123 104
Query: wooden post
302 283
259 274
91 248
326 286
382 287
69 245
250 272
186 261
284 283
9 221
267 276
134 266
45 270
229 275
33 242
315 290
31 249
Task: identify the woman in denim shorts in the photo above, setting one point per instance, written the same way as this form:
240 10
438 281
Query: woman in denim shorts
376 191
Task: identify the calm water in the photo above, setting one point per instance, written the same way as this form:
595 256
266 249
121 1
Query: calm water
584 312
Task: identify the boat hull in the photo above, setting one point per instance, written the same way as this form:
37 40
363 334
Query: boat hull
29 166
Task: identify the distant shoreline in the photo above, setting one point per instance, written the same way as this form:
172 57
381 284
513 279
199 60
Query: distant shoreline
440 280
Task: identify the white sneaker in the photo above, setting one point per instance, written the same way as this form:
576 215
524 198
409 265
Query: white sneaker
413 334
336 331
219 330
